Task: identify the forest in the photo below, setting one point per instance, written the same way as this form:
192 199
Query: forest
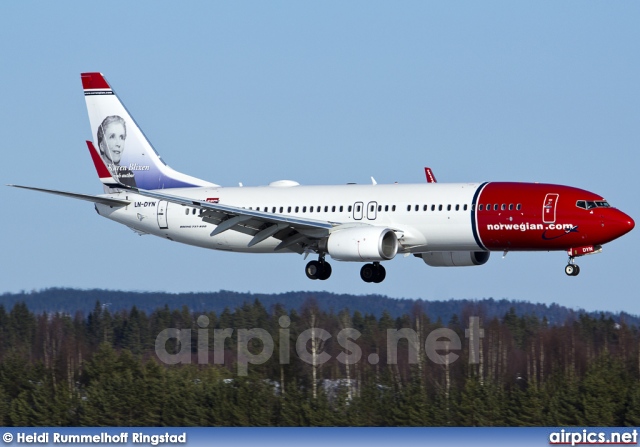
102 368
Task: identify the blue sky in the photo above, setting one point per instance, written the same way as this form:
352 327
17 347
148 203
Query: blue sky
320 93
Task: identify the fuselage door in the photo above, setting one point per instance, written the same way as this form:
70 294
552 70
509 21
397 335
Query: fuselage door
162 214
549 208
358 210
372 210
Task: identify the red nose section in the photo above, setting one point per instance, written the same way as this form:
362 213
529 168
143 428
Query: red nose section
629 223
620 224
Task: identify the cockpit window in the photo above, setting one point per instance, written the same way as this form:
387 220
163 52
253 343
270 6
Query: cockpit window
590 204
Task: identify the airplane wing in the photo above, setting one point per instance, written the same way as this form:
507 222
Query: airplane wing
88 198
295 233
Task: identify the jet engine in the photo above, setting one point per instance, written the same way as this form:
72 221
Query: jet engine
362 244
454 258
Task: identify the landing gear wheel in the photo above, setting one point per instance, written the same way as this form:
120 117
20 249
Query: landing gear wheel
313 270
381 273
368 273
373 273
318 269
572 270
325 272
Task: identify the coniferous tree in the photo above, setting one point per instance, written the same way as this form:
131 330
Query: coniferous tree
632 412
562 394
604 393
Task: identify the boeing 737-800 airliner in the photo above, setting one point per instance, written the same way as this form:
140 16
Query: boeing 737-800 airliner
444 224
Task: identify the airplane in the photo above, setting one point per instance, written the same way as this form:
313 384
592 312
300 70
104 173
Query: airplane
444 224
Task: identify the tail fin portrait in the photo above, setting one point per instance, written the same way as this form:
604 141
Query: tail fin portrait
126 152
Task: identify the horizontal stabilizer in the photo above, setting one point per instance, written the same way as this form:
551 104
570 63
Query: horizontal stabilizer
95 199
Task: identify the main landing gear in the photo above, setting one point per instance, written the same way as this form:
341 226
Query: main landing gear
319 269
373 273
572 269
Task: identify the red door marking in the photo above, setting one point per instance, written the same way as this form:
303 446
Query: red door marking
549 208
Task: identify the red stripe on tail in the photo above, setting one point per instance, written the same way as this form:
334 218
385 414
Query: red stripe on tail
94 81
101 168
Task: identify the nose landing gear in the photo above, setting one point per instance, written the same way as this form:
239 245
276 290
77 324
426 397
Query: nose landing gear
572 269
319 269
373 273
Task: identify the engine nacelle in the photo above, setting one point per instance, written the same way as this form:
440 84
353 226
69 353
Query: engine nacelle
362 244
455 258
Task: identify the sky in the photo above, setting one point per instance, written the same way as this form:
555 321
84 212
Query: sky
321 93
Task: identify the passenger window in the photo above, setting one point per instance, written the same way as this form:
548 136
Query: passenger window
408 207
187 211
326 209
425 207
288 209
480 207
465 207
518 207
433 207
297 208
393 208
448 207
281 210
457 207
495 207
379 208
350 208
417 207
511 207
304 209
333 209
386 207
439 207
503 207
341 208
311 209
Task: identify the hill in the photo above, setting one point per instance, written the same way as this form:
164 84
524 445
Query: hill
72 301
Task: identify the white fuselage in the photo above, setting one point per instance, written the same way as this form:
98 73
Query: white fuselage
445 224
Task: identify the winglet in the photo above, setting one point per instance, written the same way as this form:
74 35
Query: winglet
430 177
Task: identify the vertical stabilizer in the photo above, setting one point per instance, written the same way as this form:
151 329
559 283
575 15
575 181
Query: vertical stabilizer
126 152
